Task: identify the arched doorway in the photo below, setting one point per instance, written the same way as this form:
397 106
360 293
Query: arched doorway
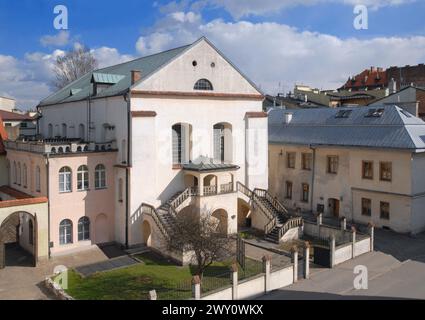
18 240
147 233
101 230
221 216
244 214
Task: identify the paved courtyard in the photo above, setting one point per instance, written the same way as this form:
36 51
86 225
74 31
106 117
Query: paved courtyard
396 270
20 281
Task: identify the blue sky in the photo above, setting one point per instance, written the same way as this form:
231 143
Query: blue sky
276 42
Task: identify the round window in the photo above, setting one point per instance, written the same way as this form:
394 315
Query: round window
212 64
194 63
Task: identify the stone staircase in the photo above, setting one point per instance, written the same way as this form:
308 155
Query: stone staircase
280 220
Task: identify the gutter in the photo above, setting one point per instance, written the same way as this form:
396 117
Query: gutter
48 202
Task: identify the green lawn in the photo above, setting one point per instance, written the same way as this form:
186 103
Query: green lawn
133 283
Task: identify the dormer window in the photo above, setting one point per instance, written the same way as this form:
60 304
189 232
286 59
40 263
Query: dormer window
102 81
203 84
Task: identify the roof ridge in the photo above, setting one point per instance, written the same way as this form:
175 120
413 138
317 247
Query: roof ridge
144 57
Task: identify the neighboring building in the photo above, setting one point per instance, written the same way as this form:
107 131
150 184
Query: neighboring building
18 124
364 163
287 102
7 104
335 98
410 98
378 78
4 174
122 148
370 79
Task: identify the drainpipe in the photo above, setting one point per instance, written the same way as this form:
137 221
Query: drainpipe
127 213
313 173
48 200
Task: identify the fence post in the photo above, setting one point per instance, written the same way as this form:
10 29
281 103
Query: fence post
152 295
371 228
332 250
319 219
306 260
196 288
234 279
343 223
294 251
353 241
266 269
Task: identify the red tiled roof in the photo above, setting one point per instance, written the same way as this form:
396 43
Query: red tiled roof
13 116
3 136
374 77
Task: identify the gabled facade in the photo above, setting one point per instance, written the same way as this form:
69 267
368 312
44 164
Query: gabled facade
182 122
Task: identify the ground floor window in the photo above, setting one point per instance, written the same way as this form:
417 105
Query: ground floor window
288 190
83 229
385 210
65 232
366 207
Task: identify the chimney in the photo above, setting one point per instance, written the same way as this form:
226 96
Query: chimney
136 75
287 118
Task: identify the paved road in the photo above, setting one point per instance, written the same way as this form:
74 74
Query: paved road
396 270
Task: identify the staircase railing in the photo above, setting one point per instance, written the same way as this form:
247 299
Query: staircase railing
244 189
269 227
291 223
275 202
182 198
151 211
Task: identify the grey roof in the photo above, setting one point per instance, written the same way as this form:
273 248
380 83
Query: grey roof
118 75
395 128
204 164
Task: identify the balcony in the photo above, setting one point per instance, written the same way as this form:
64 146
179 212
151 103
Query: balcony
59 146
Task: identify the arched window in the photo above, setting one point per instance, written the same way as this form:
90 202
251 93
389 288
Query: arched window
81 132
65 175
203 84
83 229
37 179
30 232
65 231
19 174
100 177
24 175
64 130
181 136
223 142
50 130
82 178
120 190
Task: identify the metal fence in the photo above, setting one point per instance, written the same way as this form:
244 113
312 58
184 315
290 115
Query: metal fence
174 290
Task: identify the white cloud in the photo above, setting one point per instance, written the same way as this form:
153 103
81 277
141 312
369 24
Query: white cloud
270 53
239 9
29 79
107 56
59 40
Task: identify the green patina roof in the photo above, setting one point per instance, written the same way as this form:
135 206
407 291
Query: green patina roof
119 76
204 164
106 78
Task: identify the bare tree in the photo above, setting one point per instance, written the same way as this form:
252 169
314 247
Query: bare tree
201 235
71 66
